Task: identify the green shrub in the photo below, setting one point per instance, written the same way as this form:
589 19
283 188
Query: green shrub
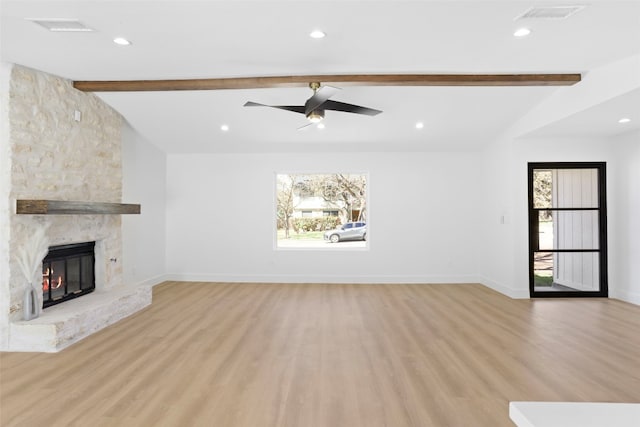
315 224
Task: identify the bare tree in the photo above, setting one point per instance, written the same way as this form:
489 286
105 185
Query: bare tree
285 197
350 190
354 194
542 188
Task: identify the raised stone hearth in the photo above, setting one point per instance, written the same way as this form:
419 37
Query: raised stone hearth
67 323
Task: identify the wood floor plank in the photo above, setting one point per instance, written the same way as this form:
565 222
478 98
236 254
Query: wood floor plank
306 355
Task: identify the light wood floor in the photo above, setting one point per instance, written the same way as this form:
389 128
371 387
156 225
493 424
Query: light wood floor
261 355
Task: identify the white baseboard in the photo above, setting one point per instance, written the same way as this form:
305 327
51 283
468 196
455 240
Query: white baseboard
505 290
262 278
630 297
265 278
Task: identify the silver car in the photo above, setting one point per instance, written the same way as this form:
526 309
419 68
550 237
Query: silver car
348 231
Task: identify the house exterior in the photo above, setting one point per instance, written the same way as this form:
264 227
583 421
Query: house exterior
315 207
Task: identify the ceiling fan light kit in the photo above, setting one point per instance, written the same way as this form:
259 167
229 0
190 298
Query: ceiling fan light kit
316 116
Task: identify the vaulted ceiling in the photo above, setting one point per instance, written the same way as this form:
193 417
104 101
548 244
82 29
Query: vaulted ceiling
217 39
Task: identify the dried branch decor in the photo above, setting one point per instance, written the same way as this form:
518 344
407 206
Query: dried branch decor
29 259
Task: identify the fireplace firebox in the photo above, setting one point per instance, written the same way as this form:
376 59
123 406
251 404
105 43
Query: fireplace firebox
68 272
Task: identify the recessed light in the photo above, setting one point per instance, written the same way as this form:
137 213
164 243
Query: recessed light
224 128
419 125
320 125
522 32
121 41
317 34
624 120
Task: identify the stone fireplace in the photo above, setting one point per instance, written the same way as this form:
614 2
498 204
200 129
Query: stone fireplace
54 156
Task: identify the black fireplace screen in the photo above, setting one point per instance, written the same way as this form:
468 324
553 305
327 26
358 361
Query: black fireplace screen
68 272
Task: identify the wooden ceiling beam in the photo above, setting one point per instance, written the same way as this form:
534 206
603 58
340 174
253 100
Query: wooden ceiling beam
344 80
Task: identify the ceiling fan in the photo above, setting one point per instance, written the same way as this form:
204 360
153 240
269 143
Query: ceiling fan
314 107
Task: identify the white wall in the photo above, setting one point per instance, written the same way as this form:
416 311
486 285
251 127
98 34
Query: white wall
624 220
143 236
423 219
496 257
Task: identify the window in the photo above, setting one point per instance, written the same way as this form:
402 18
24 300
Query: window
321 210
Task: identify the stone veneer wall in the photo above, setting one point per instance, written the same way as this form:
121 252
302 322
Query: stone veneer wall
57 158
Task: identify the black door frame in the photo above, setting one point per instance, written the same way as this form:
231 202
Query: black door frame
602 232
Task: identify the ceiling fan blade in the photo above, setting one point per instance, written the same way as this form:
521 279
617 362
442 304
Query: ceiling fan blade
320 97
294 108
349 108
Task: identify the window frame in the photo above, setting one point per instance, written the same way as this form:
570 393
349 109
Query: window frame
364 244
533 234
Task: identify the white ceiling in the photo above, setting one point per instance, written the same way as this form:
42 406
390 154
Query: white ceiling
201 39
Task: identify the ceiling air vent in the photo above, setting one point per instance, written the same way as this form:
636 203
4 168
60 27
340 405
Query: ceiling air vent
550 12
62 25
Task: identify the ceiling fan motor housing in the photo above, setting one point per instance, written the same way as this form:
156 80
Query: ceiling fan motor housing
316 115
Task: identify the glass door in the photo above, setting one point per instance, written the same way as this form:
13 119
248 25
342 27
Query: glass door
567 230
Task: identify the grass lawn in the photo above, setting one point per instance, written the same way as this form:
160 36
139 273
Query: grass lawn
309 235
542 280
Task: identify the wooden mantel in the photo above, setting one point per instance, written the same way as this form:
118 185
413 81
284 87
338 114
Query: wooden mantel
59 207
